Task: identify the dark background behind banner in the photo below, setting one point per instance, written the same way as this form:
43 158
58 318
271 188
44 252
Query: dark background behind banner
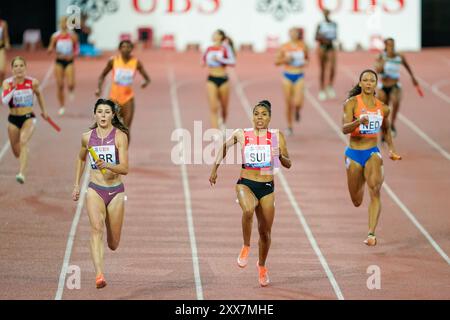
29 14
41 14
435 23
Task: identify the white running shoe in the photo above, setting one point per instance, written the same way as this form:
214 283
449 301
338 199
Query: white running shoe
288 132
61 111
322 95
20 178
71 96
331 93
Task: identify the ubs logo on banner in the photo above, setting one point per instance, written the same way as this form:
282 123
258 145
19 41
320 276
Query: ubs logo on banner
95 9
279 9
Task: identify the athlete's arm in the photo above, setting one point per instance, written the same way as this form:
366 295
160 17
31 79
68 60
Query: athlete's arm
81 161
8 93
306 50
6 35
284 155
144 74
349 124
122 145
379 64
101 79
228 58
318 35
281 58
222 154
40 98
386 127
51 45
408 68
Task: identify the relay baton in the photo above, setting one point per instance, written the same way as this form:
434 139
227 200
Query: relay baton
95 157
53 124
419 90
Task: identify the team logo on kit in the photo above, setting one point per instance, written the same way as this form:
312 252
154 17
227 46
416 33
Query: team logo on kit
279 9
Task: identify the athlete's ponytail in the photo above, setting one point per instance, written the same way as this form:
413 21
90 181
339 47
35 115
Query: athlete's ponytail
116 122
225 37
356 90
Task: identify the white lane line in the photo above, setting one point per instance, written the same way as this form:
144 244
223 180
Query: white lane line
411 125
248 107
75 221
318 107
436 90
72 233
41 87
4 149
186 188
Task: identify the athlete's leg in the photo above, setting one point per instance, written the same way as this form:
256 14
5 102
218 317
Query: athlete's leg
224 97
288 92
213 100
59 75
332 60
374 176
70 78
127 112
355 181
396 97
299 94
97 213
322 64
25 134
114 220
248 203
265 213
14 139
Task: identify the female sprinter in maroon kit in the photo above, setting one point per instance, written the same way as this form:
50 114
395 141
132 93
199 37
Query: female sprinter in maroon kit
261 152
105 194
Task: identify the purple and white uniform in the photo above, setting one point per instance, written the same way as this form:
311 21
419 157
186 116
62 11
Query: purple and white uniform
107 151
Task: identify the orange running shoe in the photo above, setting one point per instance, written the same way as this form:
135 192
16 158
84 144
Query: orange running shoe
371 240
242 259
100 281
263 275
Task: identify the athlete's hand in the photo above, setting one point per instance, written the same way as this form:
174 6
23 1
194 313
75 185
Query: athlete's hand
394 156
101 164
213 178
76 193
97 92
364 119
144 84
45 115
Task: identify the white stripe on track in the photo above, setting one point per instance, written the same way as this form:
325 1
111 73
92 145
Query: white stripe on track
386 187
248 107
75 221
186 188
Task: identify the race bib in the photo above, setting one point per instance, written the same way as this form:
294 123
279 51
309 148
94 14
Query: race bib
328 31
392 69
258 156
64 47
106 153
212 56
23 98
124 77
374 125
298 58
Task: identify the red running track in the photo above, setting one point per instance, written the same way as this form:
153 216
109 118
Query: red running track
155 259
